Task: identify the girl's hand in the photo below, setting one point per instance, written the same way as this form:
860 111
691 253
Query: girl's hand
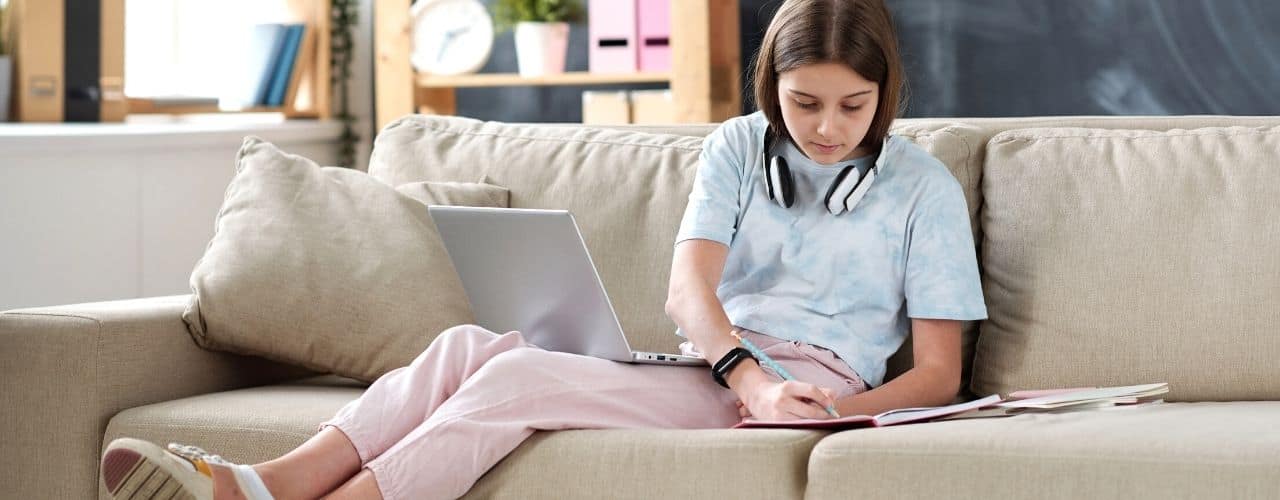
786 400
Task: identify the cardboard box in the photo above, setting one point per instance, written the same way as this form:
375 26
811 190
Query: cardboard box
38 83
653 107
606 108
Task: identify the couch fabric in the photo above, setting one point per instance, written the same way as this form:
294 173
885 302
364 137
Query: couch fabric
1114 256
131 364
327 268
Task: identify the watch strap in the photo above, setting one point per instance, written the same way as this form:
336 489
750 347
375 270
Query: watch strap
726 363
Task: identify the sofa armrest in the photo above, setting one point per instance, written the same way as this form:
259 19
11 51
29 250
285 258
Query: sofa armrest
67 370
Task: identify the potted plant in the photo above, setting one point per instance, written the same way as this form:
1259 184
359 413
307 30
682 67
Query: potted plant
541 31
6 62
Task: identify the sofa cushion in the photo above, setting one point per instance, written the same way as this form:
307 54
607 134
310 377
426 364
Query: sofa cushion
253 425
1122 257
327 268
1170 450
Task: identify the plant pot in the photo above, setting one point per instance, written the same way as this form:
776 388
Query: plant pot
541 47
6 83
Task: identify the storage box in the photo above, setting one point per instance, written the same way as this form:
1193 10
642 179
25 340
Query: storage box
611 28
653 26
606 108
652 107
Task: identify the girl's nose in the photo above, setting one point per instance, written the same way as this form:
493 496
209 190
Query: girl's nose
825 127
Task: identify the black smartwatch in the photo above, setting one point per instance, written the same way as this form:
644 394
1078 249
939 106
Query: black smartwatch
731 359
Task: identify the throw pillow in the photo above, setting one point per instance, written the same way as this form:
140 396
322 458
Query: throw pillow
327 268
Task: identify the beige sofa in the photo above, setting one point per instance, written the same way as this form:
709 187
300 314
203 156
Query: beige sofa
78 376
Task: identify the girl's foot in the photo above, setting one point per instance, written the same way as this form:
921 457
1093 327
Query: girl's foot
133 468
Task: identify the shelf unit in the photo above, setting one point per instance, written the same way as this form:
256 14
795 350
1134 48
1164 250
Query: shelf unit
314 93
704 78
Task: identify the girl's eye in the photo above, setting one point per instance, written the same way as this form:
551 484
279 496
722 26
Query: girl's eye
807 105
852 108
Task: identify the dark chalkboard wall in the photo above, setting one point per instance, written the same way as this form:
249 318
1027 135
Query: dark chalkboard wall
1014 58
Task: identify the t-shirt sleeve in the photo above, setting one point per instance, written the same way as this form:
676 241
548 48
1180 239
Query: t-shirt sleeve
942 267
712 212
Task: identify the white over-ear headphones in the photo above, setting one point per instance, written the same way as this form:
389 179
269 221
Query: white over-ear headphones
845 192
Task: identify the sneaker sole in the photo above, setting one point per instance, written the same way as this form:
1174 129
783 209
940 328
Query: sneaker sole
138 470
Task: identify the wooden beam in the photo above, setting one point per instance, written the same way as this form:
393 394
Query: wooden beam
393 75
706 65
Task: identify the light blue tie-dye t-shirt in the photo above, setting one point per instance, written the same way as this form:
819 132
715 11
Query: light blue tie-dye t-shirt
849 283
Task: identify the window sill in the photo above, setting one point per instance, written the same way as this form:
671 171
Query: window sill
164 132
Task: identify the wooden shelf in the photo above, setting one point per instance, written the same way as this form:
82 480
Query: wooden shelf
704 76
515 80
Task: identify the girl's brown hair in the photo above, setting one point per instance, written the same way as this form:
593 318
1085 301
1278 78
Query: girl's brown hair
856 33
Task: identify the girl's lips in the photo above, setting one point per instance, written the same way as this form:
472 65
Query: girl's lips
825 149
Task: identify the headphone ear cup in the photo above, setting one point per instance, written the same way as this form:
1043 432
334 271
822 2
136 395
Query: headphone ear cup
843 185
778 179
860 190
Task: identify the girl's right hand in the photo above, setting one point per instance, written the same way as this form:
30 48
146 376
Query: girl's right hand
786 400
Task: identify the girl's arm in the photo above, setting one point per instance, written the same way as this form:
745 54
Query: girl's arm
692 303
933 381
696 269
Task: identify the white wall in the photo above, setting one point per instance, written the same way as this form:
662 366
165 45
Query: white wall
103 212
113 211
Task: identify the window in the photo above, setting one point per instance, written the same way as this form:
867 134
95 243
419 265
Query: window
190 47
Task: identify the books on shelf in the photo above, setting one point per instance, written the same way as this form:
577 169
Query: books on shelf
1040 401
278 56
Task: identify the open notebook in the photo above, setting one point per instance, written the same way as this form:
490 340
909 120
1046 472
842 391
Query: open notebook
891 417
1034 401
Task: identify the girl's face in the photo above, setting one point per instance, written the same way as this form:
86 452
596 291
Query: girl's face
828 109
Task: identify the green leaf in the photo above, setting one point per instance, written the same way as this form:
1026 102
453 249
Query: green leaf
506 13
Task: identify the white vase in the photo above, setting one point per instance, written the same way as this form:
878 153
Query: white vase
541 47
6 83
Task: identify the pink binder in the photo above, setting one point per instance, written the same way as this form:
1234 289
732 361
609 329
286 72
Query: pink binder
611 28
654 33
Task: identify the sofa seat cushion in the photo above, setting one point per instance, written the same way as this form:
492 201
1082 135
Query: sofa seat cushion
244 425
647 463
257 424
1170 450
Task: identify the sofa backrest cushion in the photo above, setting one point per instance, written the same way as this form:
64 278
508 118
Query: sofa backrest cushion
1117 257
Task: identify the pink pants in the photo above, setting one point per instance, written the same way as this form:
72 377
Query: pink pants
431 429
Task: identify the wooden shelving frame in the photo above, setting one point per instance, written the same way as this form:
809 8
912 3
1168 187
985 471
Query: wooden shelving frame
705 69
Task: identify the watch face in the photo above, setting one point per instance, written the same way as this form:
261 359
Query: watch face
450 37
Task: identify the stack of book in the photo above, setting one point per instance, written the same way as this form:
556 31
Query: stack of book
278 57
1038 401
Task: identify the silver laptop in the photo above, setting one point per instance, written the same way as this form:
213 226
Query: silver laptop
529 270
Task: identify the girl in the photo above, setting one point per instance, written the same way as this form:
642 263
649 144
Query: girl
810 231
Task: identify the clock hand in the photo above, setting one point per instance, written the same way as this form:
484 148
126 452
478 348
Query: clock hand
448 38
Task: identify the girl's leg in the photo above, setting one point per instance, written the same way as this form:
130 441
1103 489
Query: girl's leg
402 399
394 405
321 464
523 390
361 487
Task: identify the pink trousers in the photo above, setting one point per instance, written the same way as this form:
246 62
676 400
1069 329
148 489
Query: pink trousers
431 429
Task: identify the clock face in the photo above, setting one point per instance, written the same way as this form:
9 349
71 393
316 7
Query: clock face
450 37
